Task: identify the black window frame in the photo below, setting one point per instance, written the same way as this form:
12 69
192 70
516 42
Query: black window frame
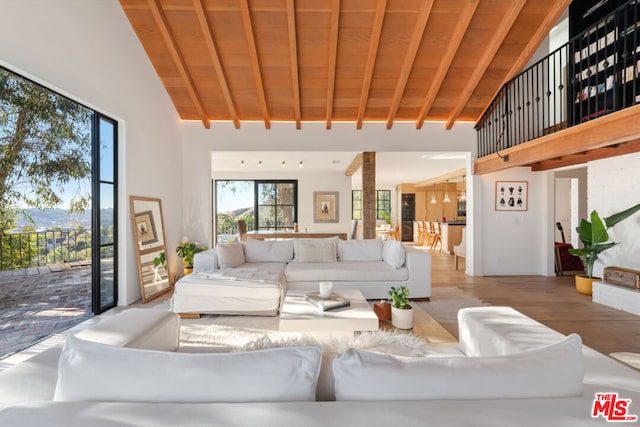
257 205
383 204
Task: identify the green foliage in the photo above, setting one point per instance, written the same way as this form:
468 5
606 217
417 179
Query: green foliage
385 215
595 238
45 141
399 297
187 250
160 260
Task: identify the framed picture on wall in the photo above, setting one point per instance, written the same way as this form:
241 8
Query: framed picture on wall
512 196
325 206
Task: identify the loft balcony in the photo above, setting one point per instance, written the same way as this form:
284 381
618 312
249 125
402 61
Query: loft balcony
579 103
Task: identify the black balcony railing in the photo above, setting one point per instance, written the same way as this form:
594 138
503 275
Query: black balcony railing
40 248
595 73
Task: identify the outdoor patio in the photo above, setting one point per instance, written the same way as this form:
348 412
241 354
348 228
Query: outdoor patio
41 301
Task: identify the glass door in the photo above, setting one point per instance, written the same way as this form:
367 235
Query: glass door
105 214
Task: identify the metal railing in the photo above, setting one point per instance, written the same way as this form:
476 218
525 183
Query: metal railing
594 74
40 248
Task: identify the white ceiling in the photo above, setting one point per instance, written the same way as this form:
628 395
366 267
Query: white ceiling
392 168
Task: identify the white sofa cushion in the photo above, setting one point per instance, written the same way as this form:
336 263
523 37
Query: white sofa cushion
360 250
230 255
268 251
393 253
352 271
315 250
552 371
90 371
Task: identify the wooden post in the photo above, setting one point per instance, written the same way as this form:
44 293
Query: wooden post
369 195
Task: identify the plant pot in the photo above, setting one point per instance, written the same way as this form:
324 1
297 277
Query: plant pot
188 270
584 285
402 319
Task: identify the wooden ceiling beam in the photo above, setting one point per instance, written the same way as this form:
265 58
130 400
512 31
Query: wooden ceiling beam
615 128
161 21
447 59
374 41
551 19
493 45
458 173
293 53
355 165
409 59
215 59
333 54
588 156
557 9
255 63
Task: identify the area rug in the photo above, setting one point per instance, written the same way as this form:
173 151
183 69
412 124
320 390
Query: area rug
446 301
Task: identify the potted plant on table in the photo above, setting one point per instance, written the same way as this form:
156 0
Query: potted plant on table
401 310
595 239
186 251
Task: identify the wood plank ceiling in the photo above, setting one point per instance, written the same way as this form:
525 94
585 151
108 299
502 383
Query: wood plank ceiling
338 60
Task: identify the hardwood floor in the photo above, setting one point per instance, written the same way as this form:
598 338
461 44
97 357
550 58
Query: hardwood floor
552 301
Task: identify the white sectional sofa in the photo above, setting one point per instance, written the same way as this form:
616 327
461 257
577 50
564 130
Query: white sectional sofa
252 277
508 370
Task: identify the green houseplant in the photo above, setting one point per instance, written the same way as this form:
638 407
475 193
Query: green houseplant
595 239
186 251
401 310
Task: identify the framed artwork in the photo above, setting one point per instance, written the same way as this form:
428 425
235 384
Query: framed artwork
512 196
325 206
146 228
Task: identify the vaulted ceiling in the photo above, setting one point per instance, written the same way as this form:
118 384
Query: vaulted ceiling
338 60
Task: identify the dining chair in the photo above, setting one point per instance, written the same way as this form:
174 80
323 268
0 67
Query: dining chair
437 239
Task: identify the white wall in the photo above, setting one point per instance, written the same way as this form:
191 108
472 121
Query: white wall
613 187
88 51
517 243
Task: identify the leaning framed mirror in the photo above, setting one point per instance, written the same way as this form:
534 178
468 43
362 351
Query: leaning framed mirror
149 240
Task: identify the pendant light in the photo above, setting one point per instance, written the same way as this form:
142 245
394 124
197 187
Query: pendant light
433 195
463 193
446 193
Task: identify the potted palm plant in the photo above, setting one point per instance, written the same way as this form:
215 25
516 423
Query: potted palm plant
595 239
401 310
186 251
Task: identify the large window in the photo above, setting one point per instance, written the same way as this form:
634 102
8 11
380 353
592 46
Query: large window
261 204
276 204
383 204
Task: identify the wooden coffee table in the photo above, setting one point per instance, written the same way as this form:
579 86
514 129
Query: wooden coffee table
299 315
424 326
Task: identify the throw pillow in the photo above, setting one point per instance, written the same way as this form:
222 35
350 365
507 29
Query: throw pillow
268 251
393 253
315 250
230 255
360 250
89 371
552 371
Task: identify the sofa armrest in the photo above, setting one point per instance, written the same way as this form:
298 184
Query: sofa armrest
419 265
206 260
500 331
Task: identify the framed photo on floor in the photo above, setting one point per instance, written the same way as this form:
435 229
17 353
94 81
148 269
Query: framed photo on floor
325 206
512 196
